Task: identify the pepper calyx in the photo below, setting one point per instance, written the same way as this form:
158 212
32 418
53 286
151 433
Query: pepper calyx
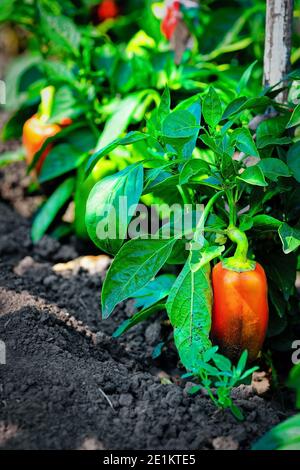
237 265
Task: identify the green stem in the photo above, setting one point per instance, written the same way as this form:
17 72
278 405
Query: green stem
232 207
184 192
203 378
47 98
205 214
239 261
238 237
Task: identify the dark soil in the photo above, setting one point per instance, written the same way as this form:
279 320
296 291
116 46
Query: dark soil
67 384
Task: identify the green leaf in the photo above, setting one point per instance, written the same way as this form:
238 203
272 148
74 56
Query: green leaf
227 166
278 303
65 105
274 126
290 238
212 108
154 291
255 104
242 362
60 160
253 175
84 140
294 445
268 140
23 68
13 127
284 434
7 9
269 132
137 262
107 218
200 258
293 160
130 138
193 105
295 117
272 168
61 31
157 179
209 353
120 119
294 382
246 223
138 318
222 362
179 124
189 309
245 77
50 209
249 372
266 222
285 278
211 370
194 389
158 115
7 158
164 107
193 168
244 141
58 72
211 143
233 107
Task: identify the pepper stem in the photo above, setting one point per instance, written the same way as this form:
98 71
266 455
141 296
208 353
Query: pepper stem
47 98
239 262
200 226
239 237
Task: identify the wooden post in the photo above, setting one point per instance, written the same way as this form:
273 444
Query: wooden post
278 36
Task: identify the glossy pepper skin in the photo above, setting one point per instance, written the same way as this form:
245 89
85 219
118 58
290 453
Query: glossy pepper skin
35 132
107 9
240 310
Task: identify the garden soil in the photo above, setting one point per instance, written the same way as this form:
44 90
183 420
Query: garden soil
67 384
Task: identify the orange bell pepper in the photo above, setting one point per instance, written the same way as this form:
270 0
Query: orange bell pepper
240 308
37 129
35 132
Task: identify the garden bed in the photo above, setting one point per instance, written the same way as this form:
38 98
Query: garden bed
67 383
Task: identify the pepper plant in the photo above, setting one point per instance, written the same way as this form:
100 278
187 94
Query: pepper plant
240 161
106 78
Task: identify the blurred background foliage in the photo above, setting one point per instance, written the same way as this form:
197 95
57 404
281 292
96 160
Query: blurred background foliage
109 76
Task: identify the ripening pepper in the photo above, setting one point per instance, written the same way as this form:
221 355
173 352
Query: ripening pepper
35 132
37 129
107 9
171 19
240 308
